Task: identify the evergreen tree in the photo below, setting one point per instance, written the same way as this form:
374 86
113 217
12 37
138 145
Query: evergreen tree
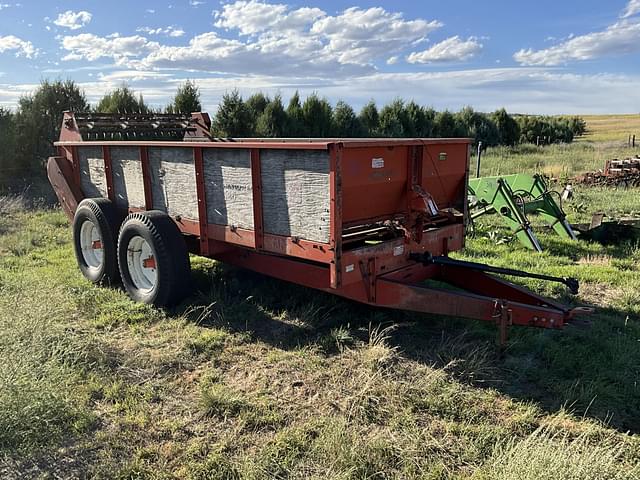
317 117
445 125
578 126
508 128
416 124
534 129
273 120
122 100
39 119
394 120
186 100
295 120
477 126
346 123
256 105
370 119
429 128
232 118
8 142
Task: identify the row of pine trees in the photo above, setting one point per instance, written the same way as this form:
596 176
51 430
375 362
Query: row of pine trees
27 134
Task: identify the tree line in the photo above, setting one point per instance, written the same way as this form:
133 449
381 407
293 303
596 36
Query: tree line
27 134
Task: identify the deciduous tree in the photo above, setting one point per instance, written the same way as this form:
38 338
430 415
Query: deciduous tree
39 119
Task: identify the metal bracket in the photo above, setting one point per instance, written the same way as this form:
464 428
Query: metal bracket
430 204
503 316
368 272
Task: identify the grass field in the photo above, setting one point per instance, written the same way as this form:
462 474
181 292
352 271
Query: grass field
606 139
256 378
612 128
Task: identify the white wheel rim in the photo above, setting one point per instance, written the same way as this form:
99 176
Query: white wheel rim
91 245
141 264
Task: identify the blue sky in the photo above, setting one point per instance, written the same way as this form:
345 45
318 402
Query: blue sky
530 57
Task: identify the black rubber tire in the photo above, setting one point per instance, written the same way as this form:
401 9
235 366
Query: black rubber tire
103 214
173 269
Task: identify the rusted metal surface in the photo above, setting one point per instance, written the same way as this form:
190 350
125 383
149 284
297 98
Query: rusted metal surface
256 183
108 172
102 127
616 173
61 176
389 199
202 201
146 177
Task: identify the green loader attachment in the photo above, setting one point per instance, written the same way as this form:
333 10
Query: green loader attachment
515 196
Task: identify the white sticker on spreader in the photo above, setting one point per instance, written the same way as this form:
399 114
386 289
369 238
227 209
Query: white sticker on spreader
377 163
349 268
397 251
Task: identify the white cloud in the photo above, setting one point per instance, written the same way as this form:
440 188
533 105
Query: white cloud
452 49
274 40
169 31
633 8
90 47
131 76
22 48
360 36
195 3
73 20
620 38
9 94
252 16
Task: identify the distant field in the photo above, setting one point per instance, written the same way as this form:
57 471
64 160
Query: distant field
617 128
606 139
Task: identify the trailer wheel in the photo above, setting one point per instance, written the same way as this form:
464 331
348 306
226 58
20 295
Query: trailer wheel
95 225
153 259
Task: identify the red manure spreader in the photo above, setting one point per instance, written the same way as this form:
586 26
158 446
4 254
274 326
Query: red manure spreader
372 220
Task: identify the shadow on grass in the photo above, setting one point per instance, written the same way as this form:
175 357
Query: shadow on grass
592 371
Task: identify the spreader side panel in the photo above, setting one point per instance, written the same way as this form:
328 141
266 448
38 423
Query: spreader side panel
128 183
295 193
93 180
173 181
227 176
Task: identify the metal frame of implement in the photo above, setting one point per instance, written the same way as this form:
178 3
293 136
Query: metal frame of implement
513 197
384 273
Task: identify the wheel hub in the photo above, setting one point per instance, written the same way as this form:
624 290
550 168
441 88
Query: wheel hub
91 245
141 263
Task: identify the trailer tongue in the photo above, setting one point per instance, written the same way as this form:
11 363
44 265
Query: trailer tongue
367 219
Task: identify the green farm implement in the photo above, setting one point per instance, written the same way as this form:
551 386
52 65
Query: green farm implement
514 197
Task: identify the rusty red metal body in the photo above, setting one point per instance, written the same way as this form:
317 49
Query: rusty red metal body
616 173
389 198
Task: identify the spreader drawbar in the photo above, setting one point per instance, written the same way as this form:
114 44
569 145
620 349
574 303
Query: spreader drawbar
428 259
